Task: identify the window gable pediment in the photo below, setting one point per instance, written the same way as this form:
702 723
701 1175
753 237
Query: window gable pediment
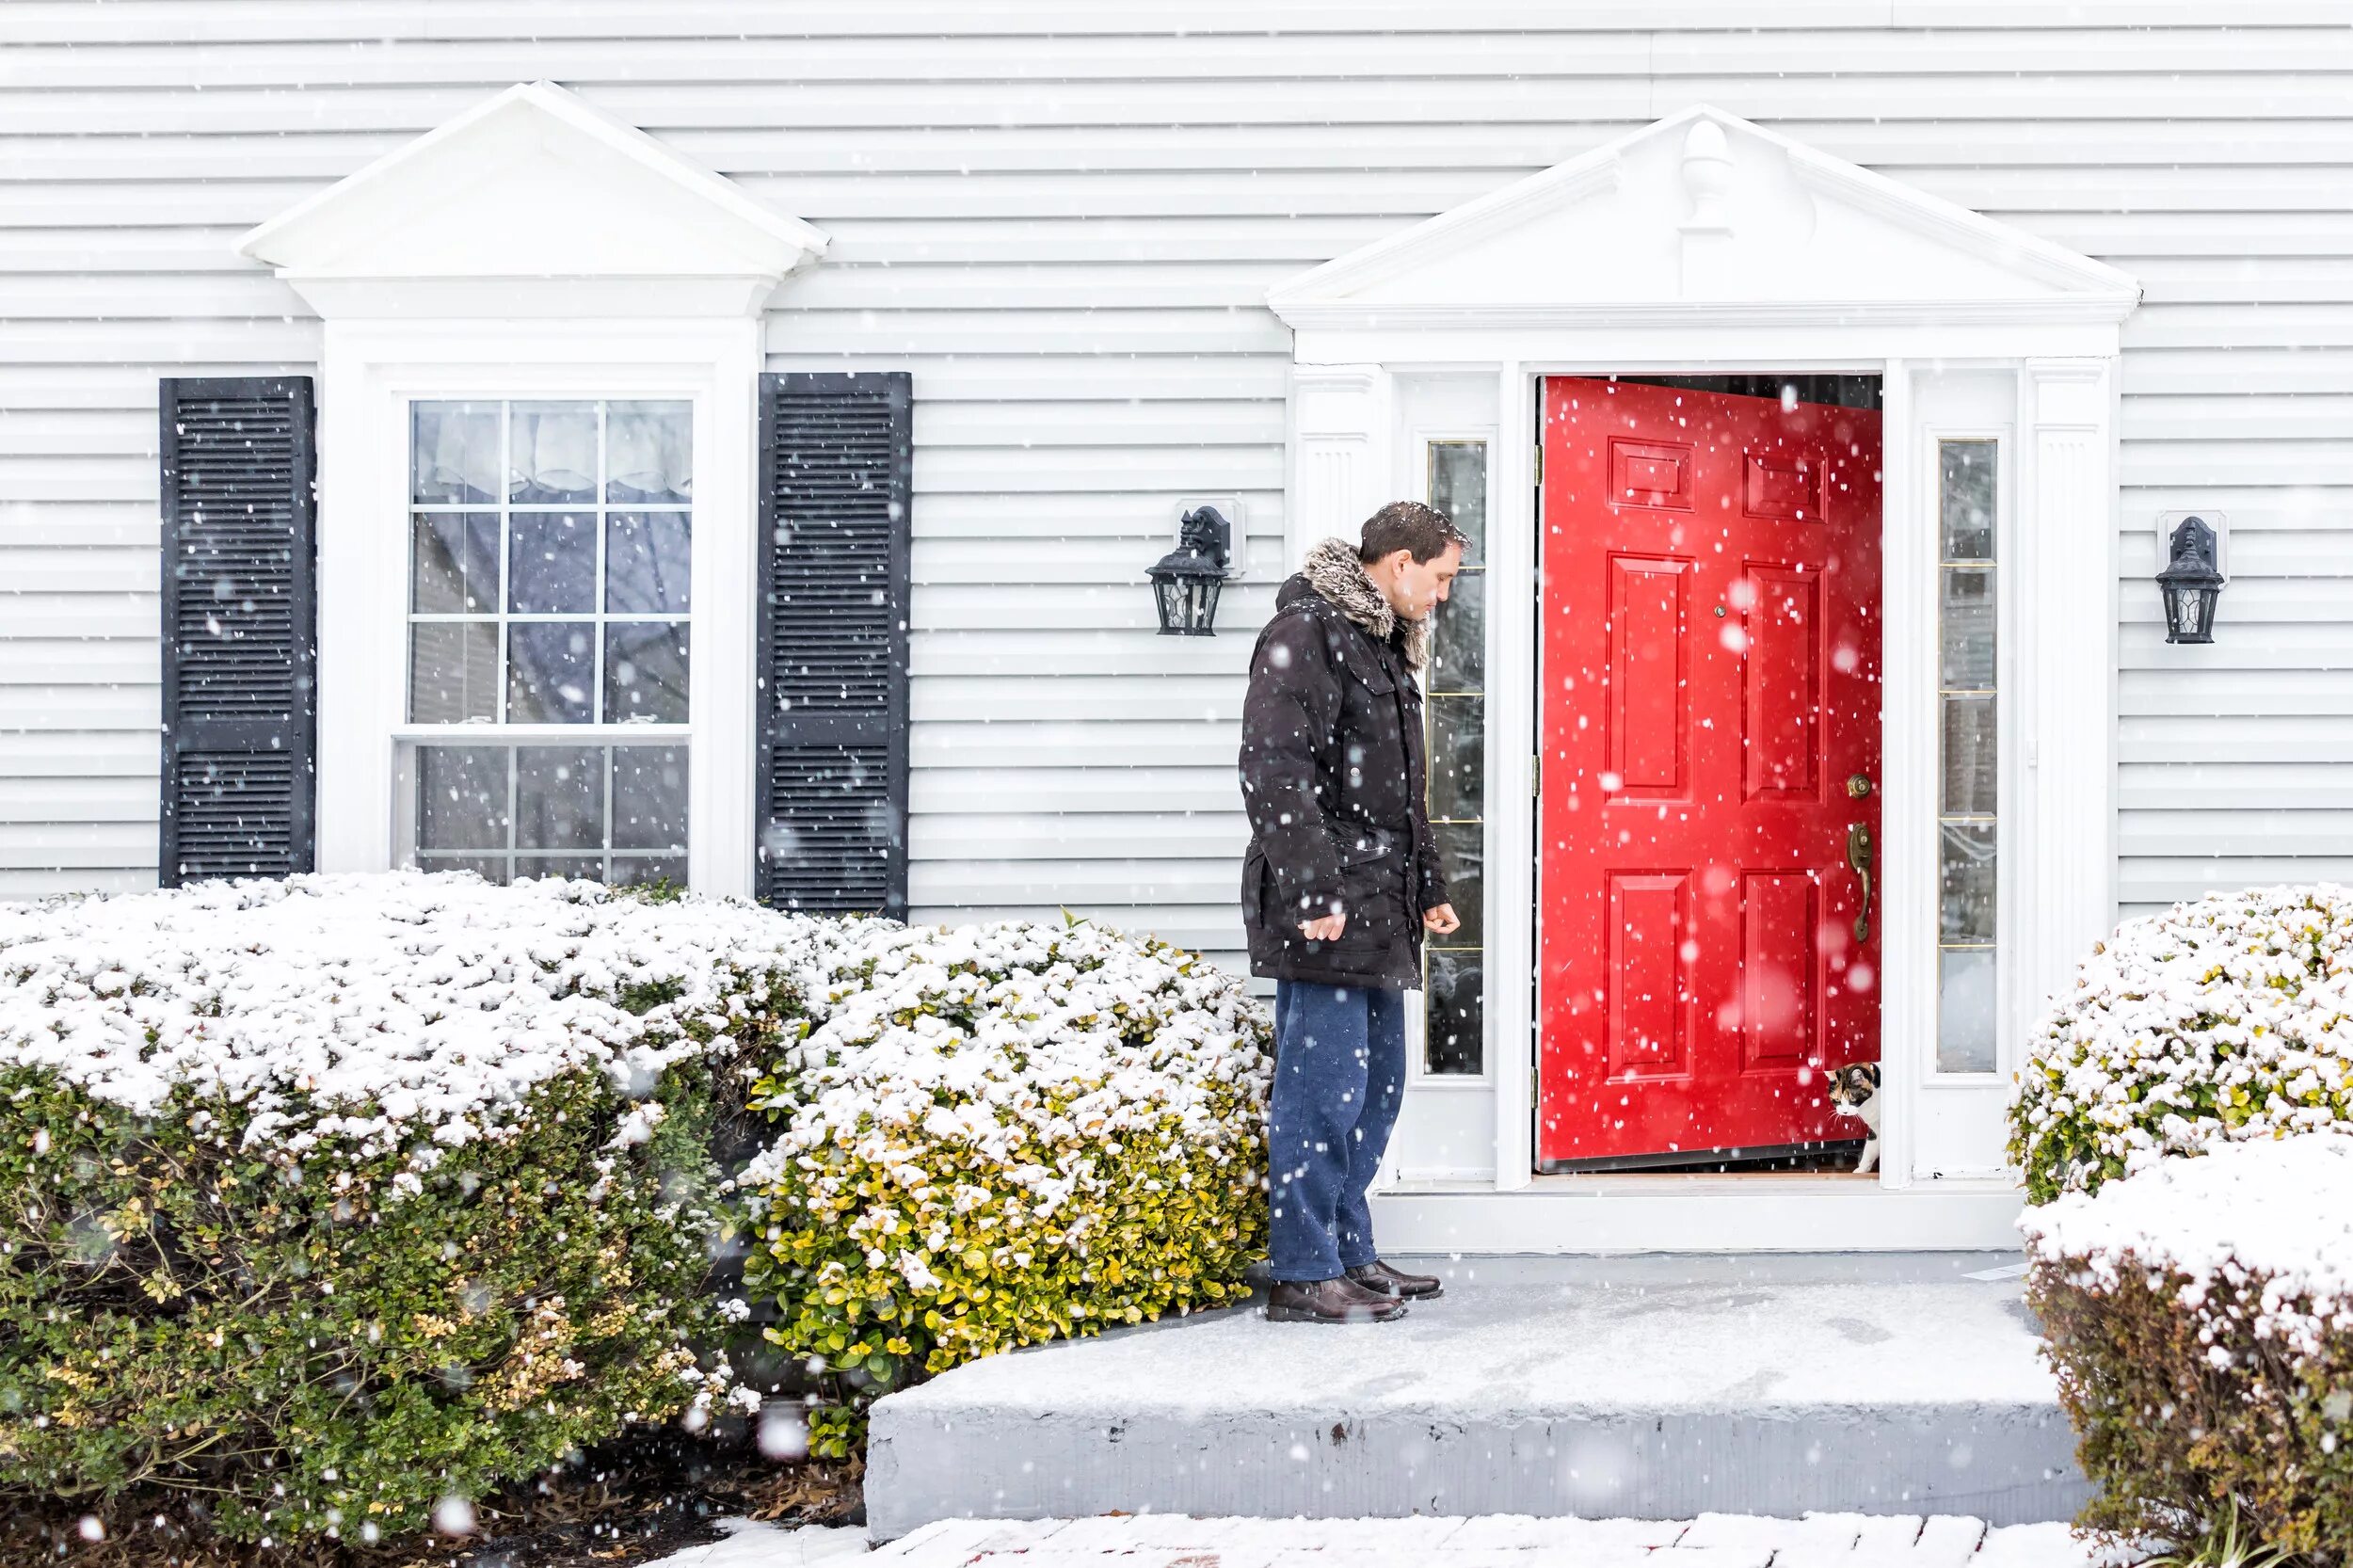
537 184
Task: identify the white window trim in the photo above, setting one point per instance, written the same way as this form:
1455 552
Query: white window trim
651 285
371 372
1416 458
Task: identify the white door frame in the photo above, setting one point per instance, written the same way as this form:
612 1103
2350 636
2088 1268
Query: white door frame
1920 295
2058 728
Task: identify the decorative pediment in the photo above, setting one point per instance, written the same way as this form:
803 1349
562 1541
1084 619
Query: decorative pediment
1699 212
533 203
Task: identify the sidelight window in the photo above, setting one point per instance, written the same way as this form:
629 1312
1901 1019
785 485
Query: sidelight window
548 638
1969 775
1454 1011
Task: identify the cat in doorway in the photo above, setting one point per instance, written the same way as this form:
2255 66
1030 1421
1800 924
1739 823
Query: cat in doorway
1855 1090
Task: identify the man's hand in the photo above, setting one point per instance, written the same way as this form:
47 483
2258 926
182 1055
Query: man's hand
1325 930
1441 922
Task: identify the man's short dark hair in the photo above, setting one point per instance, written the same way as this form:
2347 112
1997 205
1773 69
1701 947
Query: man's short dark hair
1409 525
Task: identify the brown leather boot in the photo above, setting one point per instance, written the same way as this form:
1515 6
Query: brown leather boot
1377 1275
1336 1300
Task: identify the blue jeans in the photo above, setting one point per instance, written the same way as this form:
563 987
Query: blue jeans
1340 1074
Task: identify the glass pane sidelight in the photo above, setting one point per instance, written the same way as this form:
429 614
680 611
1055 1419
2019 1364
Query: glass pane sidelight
1453 1014
1967 1010
550 551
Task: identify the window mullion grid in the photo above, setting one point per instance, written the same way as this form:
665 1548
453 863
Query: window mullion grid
603 736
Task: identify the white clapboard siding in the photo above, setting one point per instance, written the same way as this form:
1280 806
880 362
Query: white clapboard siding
1062 219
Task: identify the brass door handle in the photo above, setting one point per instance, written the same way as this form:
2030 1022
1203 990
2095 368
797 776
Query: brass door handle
1859 861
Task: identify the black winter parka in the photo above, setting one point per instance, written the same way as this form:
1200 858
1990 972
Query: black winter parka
1333 777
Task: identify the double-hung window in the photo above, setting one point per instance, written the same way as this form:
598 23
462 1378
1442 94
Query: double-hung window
547 731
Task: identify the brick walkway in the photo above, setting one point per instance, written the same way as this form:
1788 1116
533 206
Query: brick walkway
1712 1541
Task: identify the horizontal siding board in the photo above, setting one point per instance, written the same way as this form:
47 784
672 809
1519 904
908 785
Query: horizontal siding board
1136 743
79 660
2234 692
85 705
40 882
1029 650
2163 879
966 880
1242 146
1026 836
2225 831
1048 515
1075 699
1869 60
1042 786
78 567
1065 607
122 800
2319 554
2300 508
75 845
2230 784
1096 561
1096 469
67 22
1065 239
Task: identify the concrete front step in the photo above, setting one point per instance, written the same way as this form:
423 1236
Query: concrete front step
1655 1387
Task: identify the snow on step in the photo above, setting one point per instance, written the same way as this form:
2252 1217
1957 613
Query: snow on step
1712 1541
1524 1532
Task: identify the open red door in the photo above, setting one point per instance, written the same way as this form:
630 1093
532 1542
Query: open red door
1710 718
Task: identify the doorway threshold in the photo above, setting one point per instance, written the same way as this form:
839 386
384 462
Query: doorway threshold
1788 1212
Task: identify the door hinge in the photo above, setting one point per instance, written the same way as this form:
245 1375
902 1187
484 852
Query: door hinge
1536 776
1540 462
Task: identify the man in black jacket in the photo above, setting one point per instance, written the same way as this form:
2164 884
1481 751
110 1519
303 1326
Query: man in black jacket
1341 879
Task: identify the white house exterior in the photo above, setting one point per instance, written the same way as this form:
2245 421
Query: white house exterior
1289 259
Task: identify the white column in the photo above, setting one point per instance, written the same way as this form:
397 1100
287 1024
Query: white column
1512 740
2069 536
1339 426
1908 752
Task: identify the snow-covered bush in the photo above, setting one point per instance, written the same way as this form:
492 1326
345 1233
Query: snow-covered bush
322 1200
998 1135
2224 1020
2199 1314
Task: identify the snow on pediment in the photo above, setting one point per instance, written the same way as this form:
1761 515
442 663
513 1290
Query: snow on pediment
1700 210
533 183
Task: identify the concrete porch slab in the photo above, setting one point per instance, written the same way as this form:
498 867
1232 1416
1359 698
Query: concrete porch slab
1654 1386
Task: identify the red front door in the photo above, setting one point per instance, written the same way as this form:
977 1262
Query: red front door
1710 717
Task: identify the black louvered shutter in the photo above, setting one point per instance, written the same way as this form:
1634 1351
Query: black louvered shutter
240 652
835 458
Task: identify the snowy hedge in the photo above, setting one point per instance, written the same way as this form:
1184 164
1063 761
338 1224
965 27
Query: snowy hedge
1003 1134
2199 1314
322 1200
2225 1019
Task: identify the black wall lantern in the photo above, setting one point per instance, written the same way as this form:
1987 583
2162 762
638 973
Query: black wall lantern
2191 582
1185 581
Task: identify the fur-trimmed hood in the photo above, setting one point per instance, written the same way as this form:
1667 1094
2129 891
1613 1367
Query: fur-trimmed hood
1333 569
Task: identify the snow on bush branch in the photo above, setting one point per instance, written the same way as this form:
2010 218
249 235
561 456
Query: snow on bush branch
361 1011
2224 1020
2273 1220
996 1135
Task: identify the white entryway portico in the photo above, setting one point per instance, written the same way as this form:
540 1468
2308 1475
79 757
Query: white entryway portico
1707 246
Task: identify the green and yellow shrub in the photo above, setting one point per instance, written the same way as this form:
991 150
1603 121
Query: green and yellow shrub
2200 1316
323 1200
998 1135
2221 1020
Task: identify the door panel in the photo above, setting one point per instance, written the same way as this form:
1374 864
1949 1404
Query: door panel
1649 687
1781 684
1649 978
1711 680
